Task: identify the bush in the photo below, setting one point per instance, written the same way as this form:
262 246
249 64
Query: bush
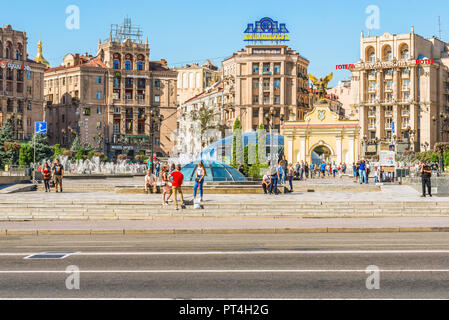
68 153
255 170
79 155
57 151
90 154
104 159
122 157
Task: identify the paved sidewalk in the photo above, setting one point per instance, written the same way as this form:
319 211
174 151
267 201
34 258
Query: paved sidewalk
227 225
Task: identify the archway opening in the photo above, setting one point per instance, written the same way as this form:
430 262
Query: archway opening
320 154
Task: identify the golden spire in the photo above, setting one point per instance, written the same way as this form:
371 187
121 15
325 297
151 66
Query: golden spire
40 57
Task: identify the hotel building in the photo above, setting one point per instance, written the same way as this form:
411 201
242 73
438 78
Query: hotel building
21 84
261 77
398 97
111 100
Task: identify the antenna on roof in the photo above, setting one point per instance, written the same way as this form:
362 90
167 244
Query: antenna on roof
119 33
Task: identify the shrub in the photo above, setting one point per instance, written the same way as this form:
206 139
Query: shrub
122 157
68 153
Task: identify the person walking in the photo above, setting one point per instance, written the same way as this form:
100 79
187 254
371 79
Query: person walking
266 181
274 173
166 188
290 172
312 170
199 179
334 169
322 170
426 174
301 171
284 165
343 168
306 170
177 179
297 168
354 171
58 174
47 176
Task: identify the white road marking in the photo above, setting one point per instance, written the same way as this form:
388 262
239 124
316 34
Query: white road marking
252 252
234 271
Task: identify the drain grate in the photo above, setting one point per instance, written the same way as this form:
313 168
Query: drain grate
50 255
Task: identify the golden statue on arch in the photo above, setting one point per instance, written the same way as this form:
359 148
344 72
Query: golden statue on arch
321 84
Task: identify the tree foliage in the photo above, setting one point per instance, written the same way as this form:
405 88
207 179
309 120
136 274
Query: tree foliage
26 155
42 147
5 136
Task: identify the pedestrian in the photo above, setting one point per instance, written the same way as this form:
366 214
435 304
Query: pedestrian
297 168
158 168
177 179
166 187
362 171
58 174
241 169
426 174
290 172
340 170
301 171
274 173
284 165
266 181
368 170
376 173
312 170
334 169
322 169
47 175
150 182
306 170
199 179
343 168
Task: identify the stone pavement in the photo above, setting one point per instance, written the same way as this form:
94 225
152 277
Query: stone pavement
227 225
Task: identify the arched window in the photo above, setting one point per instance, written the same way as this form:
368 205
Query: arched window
8 50
128 62
179 84
19 52
387 53
140 62
403 52
371 54
117 61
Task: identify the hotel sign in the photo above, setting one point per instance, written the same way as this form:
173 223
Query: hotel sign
266 29
389 64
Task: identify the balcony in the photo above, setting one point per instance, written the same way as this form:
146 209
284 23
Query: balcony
388 114
405 125
371 126
405 113
371 114
372 89
405 88
388 126
388 89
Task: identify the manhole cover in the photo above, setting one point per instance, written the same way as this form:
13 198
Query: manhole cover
50 255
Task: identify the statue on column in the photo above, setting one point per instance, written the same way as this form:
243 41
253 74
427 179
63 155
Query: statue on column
321 84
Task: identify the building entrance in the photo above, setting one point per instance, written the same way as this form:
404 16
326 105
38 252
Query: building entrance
320 154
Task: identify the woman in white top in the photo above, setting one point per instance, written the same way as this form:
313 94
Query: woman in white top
199 179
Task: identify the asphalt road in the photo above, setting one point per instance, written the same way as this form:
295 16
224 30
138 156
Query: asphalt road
311 266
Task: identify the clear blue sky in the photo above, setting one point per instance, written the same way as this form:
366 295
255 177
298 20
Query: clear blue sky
326 32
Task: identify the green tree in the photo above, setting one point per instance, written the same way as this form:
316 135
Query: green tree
206 117
76 145
79 154
5 136
236 127
26 155
57 151
42 146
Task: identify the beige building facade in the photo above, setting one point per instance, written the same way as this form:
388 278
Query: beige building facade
21 84
113 100
261 77
194 79
399 86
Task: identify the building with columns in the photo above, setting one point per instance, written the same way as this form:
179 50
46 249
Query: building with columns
260 77
111 100
400 86
193 79
21 84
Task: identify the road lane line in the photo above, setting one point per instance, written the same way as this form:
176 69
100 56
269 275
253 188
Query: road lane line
234 271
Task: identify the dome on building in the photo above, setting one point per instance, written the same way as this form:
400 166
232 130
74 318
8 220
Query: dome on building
215 171
40 57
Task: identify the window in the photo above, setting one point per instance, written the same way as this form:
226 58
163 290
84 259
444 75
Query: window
277 99
63 81
140 65
277 68
98 79
98 94
405 85
389 72
86 111
255 68
277 83
405 70
29 75
256 84
157 84
389 85
405 96
98 110
266 84
157 98
372 86
256 98
63 118
266 68
29 105
266 98
117 82
116 64
128 65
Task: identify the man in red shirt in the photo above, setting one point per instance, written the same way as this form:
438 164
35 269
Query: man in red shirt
178 178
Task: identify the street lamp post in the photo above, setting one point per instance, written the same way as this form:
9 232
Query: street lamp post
270 122
153 119
444 123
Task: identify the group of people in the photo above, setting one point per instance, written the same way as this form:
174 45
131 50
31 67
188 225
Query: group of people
54 173
171 182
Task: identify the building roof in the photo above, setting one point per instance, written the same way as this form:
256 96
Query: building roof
209 91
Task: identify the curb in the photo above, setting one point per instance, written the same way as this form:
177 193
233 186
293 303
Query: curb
38 232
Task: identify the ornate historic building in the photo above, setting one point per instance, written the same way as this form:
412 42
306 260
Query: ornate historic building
261 77
193 79
115 100
400 87
21 84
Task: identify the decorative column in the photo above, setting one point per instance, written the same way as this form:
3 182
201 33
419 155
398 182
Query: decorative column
302 147
290 149
351 150
338 147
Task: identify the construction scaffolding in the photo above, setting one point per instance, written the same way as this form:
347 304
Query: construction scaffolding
120 33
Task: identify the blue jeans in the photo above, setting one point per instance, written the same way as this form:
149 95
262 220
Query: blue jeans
200 185
290 182
362 174
273 185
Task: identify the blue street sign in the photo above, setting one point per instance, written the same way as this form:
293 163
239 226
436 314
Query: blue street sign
40 127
